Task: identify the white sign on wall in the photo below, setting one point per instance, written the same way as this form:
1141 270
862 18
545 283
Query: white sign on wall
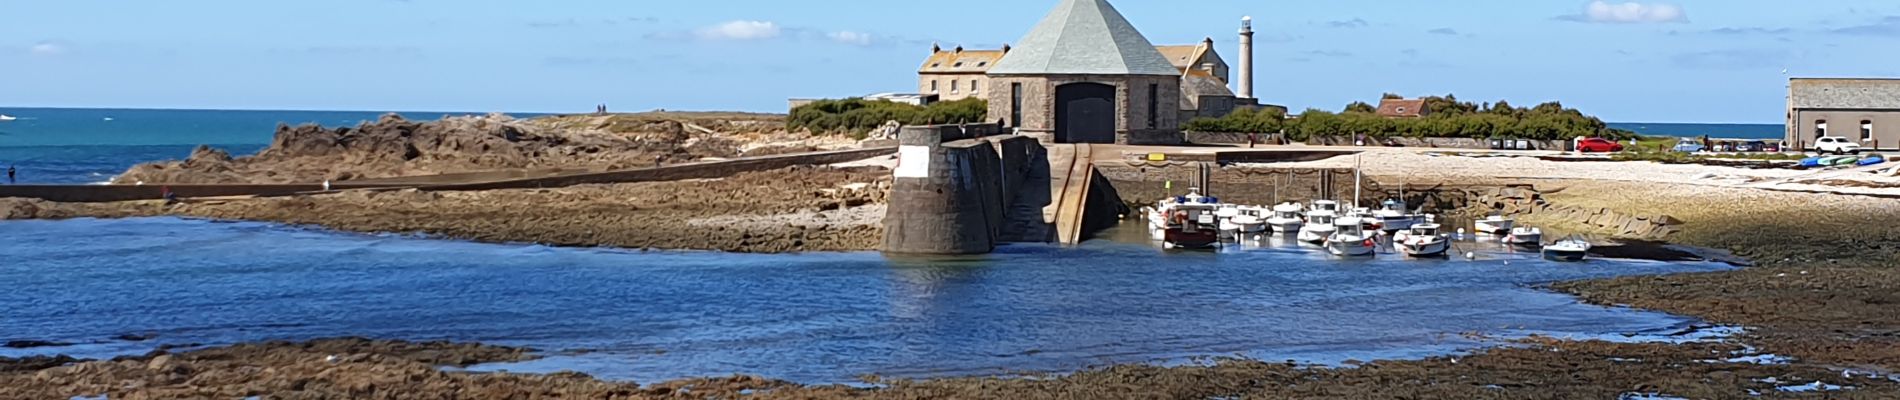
913 161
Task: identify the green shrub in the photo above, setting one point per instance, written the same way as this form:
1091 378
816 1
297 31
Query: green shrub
856 115
1448 117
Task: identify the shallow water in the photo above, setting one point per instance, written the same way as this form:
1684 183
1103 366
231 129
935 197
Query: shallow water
828 317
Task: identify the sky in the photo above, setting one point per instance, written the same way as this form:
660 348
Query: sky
1648 61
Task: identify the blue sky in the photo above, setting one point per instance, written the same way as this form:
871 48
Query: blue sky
1676 61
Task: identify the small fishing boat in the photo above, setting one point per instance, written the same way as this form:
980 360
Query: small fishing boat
1350 239
1567 250
1495 224
1224 219
1319 226
1251 223
1191 226
1324 205
1394 217
5 118
1525 236
1159 214
1422 240
1286 219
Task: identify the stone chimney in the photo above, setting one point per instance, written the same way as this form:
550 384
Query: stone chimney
1245 88
935 48
1006 48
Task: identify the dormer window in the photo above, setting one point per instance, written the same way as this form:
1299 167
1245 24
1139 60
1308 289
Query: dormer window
982 64
959 64
1401 110
934 65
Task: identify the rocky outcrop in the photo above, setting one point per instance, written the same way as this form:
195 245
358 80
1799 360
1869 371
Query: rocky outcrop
394 146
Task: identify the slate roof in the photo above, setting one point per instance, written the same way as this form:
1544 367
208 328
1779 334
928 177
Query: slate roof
1084 37
1849 94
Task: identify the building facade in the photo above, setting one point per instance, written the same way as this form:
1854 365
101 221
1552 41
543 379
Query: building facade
957 74
1863 110
1085 75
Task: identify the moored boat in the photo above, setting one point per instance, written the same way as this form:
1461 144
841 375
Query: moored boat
1422 240
1525 236
1251 223
1495 224
1286 219
1191 226
1393 216
1350 239
1319 226
1567 250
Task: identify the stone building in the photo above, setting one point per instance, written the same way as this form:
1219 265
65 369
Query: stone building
1863 110
1085 75
957 74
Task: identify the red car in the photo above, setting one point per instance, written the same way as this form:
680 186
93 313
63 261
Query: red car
1599 145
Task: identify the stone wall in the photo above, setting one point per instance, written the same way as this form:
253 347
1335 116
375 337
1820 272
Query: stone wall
971 198
1528 201
1131 105
1449 143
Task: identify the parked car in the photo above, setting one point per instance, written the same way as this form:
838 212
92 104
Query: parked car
1836 145
1772 147
1752 146
1599 145
1689 146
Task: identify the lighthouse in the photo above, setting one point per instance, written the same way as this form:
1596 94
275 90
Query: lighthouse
1244 89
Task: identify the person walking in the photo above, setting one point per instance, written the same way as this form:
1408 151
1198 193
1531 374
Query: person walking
10 175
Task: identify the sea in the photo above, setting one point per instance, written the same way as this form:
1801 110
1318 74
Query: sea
86 146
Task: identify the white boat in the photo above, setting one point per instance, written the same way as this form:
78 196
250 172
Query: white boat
1324 205
1366 219
1567 250
1350 239
1422 240
1394 217
1525 236
1286 219
4 117
1319 226
1191 226
1252 223
1496 225
1224 218
1158 214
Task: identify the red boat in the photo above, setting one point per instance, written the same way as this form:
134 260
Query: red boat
1186 230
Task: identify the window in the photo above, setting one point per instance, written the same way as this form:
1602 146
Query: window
982 64
973 87
1016 105
1820 128
954 84
1866 131
1154 100
959 64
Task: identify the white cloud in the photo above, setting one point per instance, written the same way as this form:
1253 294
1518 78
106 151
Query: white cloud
1600 11
741 30
849 37
48 49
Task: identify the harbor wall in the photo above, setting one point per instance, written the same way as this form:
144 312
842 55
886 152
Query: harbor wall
1226 138
965 189
1141 184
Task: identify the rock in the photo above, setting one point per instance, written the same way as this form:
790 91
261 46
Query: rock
1665 219
159 363
12 208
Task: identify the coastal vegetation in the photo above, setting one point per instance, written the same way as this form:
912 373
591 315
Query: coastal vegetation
856 115
1445 117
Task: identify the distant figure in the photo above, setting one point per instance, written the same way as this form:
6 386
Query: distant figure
657 159
10 175
169 196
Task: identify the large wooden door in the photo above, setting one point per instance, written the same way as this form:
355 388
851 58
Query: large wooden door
1085 113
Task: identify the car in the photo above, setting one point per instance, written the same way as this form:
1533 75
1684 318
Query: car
1836 145
1772 147
1598 145
1752 146
1689 146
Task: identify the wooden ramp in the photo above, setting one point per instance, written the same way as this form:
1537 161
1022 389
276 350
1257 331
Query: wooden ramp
1071 166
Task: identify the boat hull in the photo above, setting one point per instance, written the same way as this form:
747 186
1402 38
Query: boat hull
1565 255
1435 248
1495 227
1314 236
1287 227
1351 248
1179 238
